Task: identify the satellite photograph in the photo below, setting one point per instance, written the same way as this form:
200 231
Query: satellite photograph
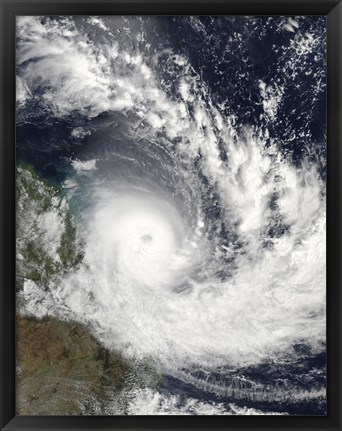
171 215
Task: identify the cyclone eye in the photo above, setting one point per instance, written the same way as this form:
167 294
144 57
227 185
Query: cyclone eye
146 238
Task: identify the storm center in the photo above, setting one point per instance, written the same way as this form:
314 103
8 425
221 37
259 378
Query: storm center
146 238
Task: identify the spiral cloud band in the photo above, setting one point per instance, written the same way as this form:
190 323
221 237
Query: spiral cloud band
204 237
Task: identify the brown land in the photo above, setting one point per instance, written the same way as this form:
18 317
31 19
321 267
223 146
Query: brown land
63 370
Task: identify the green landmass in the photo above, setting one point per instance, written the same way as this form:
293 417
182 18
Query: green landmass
38 258
61 368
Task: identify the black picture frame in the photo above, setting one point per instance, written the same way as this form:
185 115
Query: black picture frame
332 9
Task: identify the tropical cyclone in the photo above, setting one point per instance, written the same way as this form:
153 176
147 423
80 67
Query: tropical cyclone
199 187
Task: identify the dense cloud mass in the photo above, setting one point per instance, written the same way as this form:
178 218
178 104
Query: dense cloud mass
191 151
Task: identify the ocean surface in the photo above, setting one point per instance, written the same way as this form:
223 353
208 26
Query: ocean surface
191 151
